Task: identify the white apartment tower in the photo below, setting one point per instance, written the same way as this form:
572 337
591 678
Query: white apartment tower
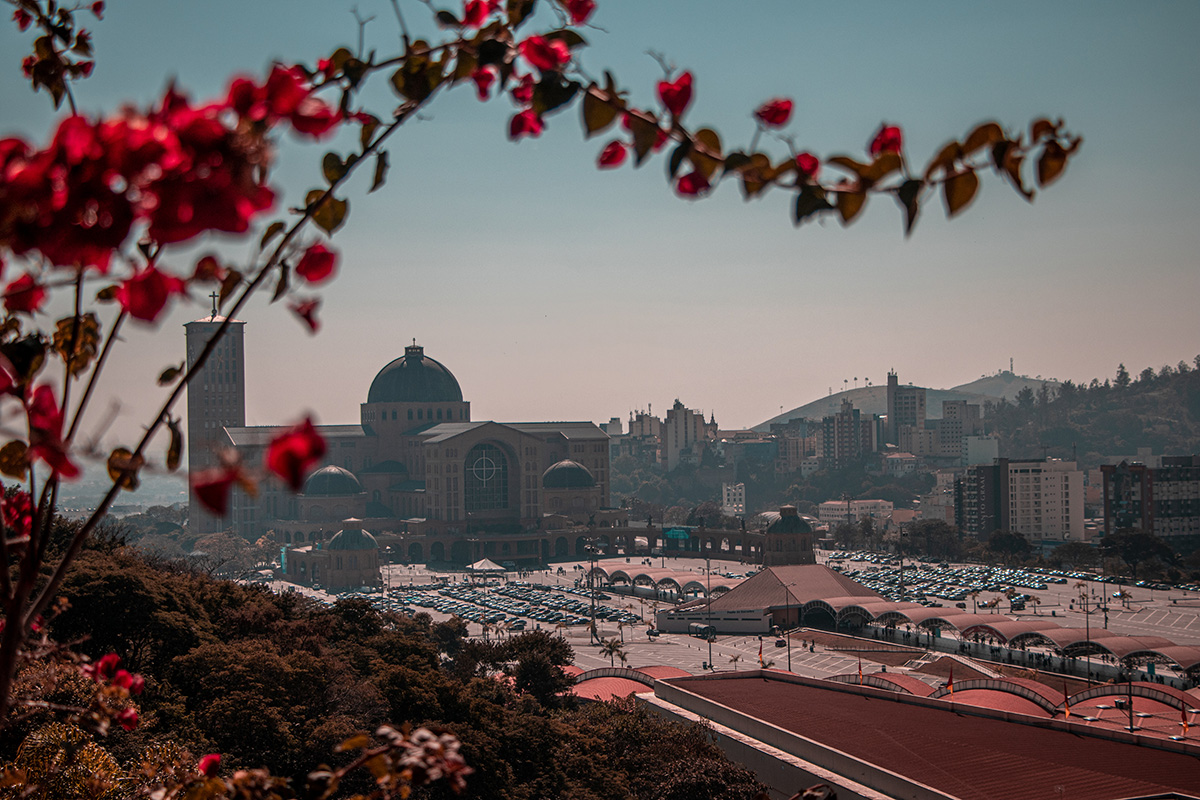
1045 500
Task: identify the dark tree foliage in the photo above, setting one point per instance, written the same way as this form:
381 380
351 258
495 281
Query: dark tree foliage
279 680
1135 547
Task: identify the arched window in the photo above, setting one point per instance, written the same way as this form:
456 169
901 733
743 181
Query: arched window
486 478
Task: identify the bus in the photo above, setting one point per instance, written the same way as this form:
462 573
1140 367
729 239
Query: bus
702 631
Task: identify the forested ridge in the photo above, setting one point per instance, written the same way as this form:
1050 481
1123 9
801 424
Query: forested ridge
1159 409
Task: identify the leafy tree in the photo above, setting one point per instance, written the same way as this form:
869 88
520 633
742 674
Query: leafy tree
1122 379
1074 554
1008 545
1135 547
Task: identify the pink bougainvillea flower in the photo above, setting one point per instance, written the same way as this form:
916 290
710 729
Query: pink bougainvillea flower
145 295
523 91
106 667
45 432
292 454
774 113
693 184
314 117
98 9
807 165
137 684
580 10
17 514
888 140
527 123
306 310
545 54
676 95
212 487
209 765
123 679
317 264
484 77
613 155
475 13
128 719
24 295
23 19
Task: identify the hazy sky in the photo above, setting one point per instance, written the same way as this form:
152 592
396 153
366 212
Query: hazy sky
554 291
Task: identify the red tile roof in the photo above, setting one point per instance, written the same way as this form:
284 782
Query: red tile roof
966 756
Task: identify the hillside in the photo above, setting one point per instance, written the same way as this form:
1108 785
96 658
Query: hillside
1159 410
873 399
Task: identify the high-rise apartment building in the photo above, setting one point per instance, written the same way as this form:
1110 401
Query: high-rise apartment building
1163 500
1042 499
684 434
905 406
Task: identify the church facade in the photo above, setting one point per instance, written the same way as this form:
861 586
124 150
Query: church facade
427 481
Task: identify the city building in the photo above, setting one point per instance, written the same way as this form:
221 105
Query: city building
216 400
1163 500
905 406
846 437
421 475
1042 499
733 499
684 435
831 512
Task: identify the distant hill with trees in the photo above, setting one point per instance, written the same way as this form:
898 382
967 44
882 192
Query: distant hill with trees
873 399
1158 409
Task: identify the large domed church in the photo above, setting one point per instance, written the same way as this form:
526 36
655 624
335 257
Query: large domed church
427 481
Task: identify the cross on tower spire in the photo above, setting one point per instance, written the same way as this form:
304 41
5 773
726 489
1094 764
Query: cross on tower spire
214 297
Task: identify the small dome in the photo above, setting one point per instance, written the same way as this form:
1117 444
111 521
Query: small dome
787 520
414 378
352 537
567 474
332 481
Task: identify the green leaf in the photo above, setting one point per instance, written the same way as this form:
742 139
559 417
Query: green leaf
709 141
367 131
944 160
175 448
328 214
333 168
168 375
281 285
909 196
518 11
14 459
810 200
448 19
677 157
850 205
569 36
381 170
553 92
755 175
598 114
273 230
959 190
123 468
1007 158
339 57
228 286
1051 163
645 135
984 135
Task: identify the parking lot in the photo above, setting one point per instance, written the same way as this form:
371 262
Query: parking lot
551 599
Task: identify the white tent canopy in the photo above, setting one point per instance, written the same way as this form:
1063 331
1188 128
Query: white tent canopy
485 565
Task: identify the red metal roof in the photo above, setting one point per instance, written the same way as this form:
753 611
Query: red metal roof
969 757
607 688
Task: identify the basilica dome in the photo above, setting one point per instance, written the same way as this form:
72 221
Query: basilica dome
415 378
786 520
352 537
567 474
332 481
